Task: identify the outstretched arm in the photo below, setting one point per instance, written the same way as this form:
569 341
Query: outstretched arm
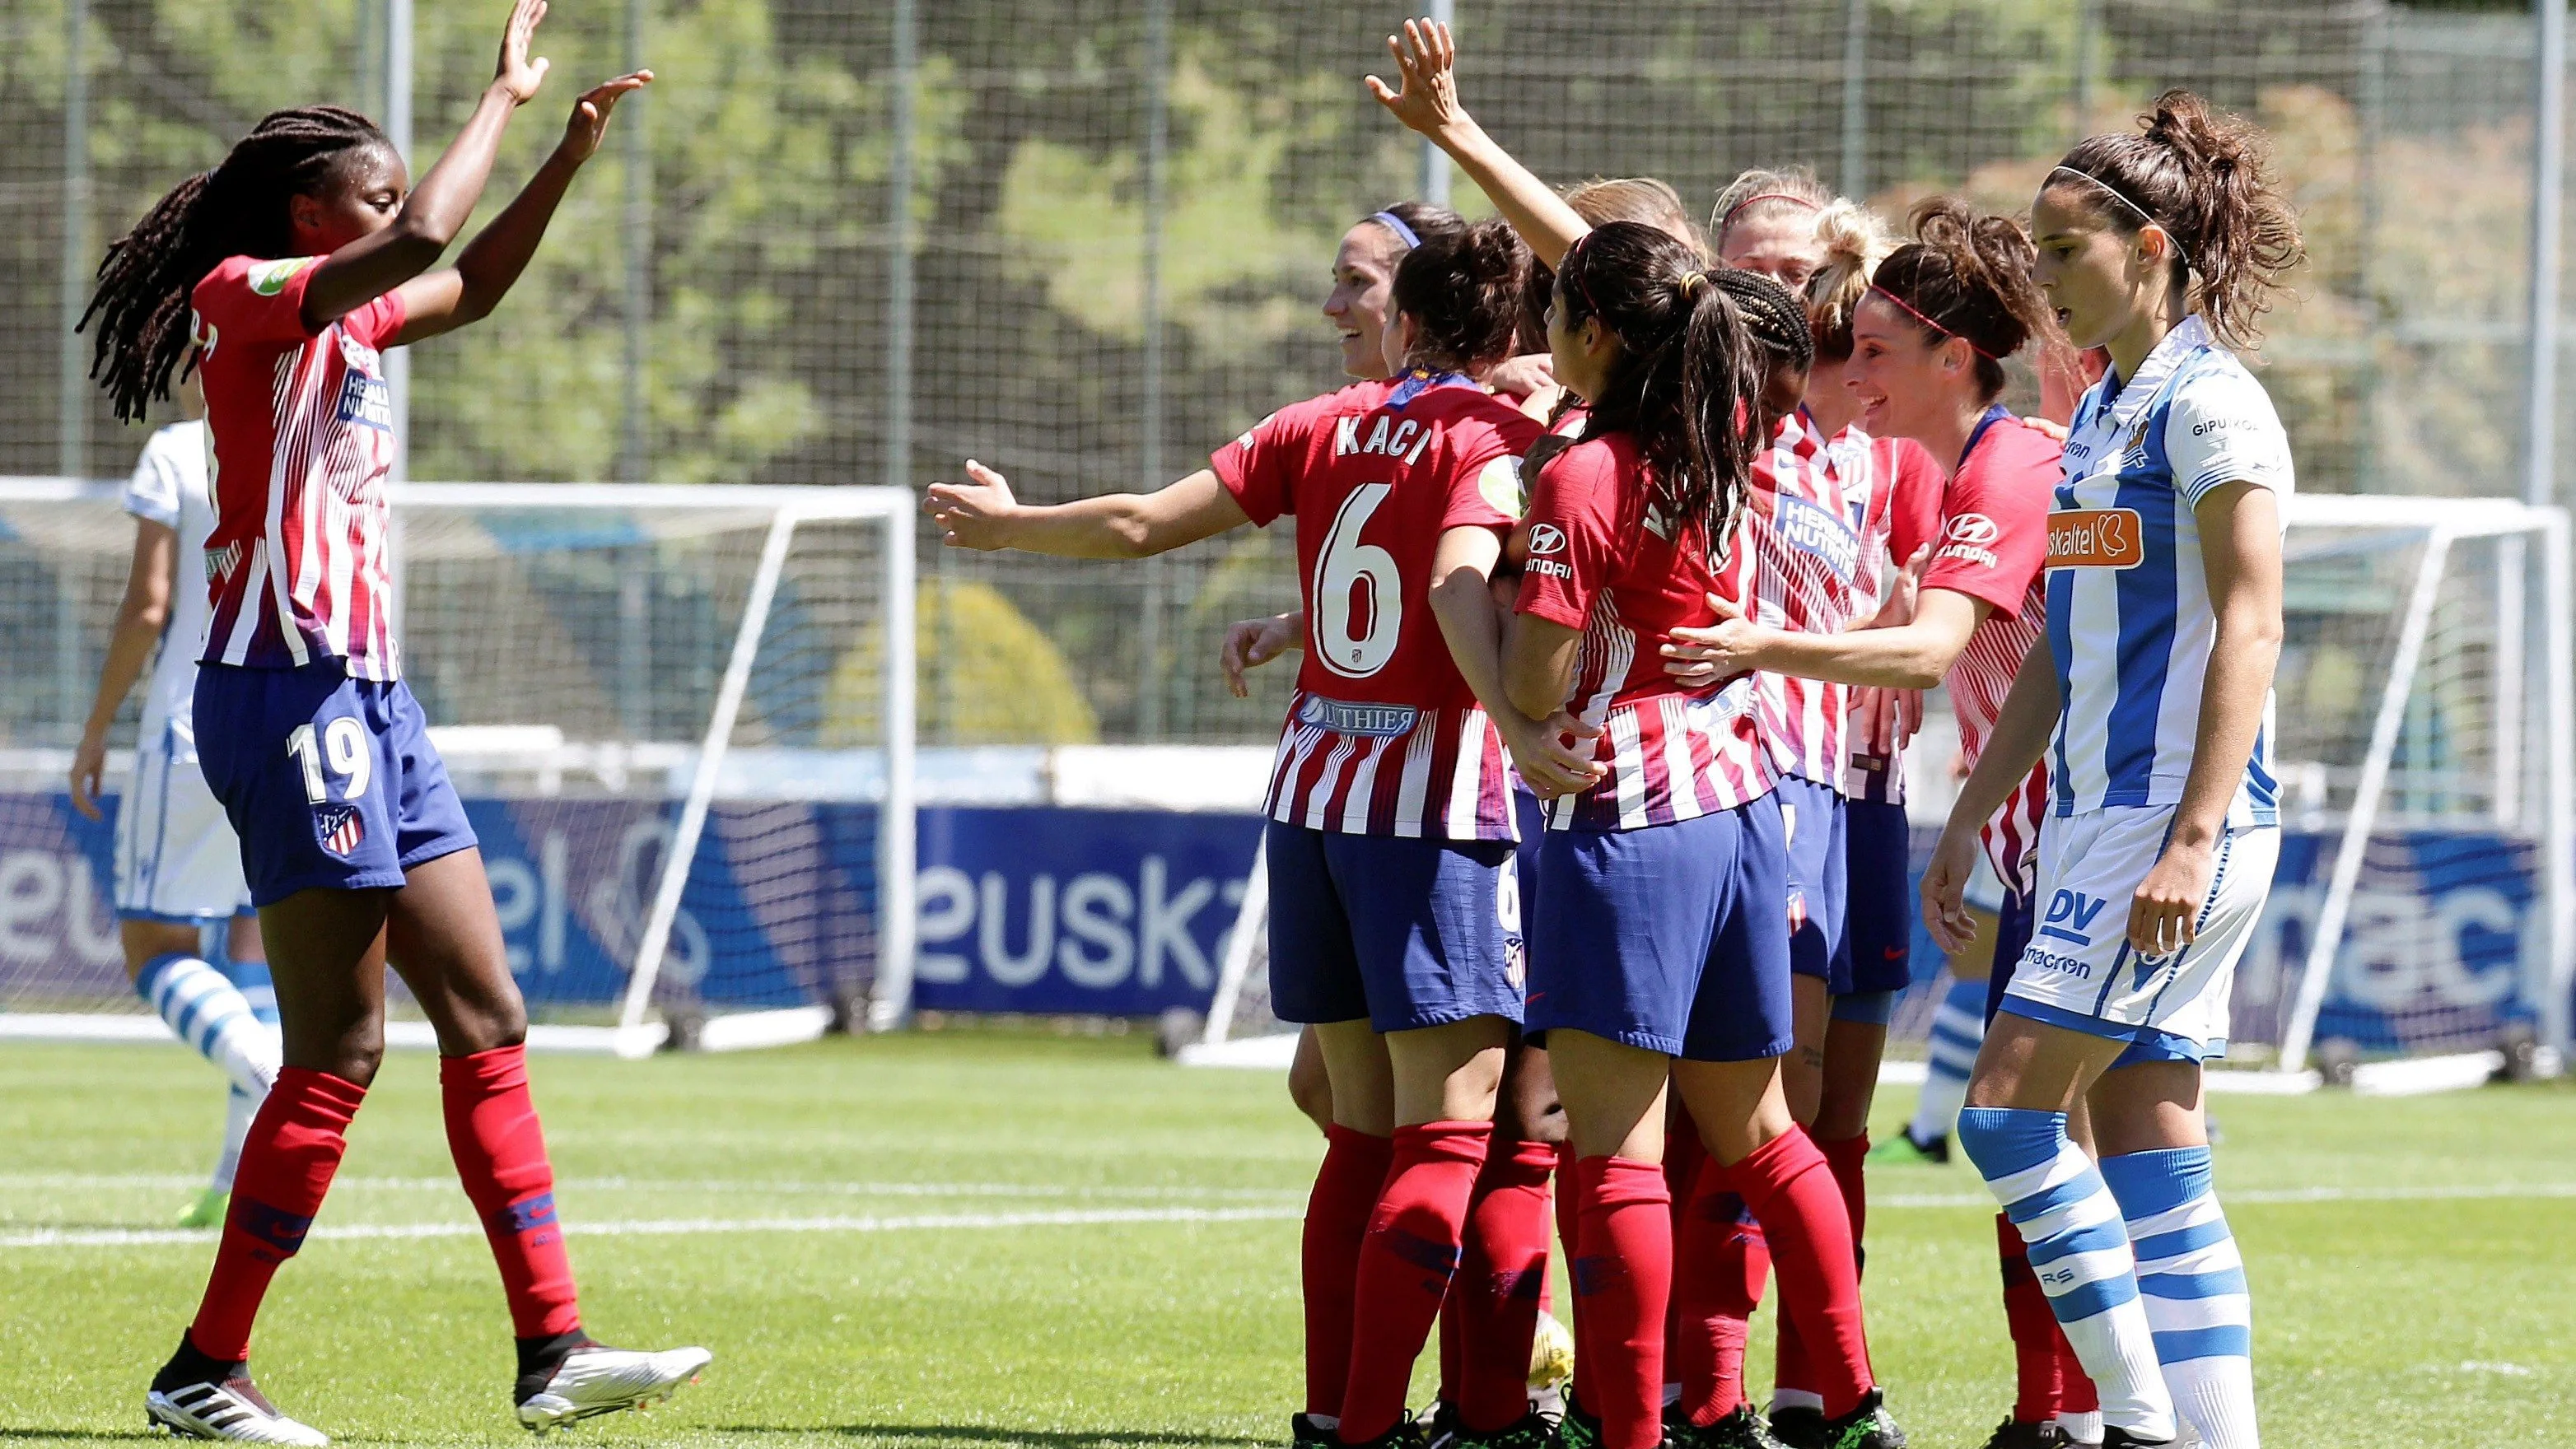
447 299
438 207
982 514
1907 656
1426 59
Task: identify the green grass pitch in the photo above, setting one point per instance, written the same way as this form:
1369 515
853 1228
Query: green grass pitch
970 1240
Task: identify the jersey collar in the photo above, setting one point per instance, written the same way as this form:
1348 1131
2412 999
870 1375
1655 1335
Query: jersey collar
2178 346
1421 380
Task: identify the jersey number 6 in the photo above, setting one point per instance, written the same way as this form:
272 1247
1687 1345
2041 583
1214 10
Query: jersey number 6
344 740
1341 567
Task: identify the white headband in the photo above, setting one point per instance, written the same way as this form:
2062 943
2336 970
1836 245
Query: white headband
2113 192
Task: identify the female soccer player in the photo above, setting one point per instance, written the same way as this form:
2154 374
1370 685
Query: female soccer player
303 255
178 865
1661 955
1928 339
2150 696
1393 923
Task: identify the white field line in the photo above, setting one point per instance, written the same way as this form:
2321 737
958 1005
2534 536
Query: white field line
679 1227
1082 1217
156 1180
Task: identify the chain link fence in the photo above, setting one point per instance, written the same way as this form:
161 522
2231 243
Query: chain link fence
1085 242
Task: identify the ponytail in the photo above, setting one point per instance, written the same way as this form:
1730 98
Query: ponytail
2204 179
1968 276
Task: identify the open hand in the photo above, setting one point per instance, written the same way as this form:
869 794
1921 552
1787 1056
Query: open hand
89 766
974 514
1426 60
589 120
2164 912
1554 755
1945 890
516 73
1251 643
1702 657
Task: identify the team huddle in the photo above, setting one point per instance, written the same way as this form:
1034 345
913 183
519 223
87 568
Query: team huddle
1622 563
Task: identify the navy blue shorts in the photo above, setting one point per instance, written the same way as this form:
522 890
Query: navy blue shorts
1407 933
1532 818
1811 815
329 781
1669 938
1879 905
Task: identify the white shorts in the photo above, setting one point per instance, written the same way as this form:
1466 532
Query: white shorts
2079 972
177 858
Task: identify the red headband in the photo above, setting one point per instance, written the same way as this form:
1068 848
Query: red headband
1728 220
1909 311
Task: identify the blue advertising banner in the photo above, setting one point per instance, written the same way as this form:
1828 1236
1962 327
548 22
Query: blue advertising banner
1125 912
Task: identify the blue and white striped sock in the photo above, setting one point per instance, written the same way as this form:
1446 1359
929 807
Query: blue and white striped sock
2192 1280
210 1014
2080 1250
250 978
1958 1030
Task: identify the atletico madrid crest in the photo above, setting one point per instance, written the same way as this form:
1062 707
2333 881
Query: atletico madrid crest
341 828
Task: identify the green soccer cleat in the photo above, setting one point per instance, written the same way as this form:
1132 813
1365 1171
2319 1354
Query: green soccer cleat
1867 1426
1534 1431
207 1210
1902 1150
1743 1429
1577 1429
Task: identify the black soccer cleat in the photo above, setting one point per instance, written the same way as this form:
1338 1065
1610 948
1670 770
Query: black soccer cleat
2115 1437
1867 1426
1743 1429
2016 1434
1577 1428
1306 1431
1798 1427
1533 1431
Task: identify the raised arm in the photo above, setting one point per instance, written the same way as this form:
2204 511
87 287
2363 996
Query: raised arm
2240 546
1907 656
982 514
139 622
439 206
445 300
1426 60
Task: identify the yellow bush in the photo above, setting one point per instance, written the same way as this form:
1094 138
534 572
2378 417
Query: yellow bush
987 676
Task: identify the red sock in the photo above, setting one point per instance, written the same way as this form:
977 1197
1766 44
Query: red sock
1406 1264
287 1161
1623 1275
2075 1391
2038 1387
1573 1187
1501 1275
1451 1370
1719 1265
500 1153
1844 1156
1787 1184
1683 1158
1337 1217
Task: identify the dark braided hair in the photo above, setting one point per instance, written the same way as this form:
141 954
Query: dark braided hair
237 209
1687 383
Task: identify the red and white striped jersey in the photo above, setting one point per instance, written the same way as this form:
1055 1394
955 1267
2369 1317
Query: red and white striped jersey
1384 736
1806 560
1994 544
1911 482
1604 559
296 569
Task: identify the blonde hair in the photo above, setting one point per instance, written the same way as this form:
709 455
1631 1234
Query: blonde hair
1605 199
1764 192
1856 239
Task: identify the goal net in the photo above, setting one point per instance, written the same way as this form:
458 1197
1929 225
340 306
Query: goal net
681 720
2423 904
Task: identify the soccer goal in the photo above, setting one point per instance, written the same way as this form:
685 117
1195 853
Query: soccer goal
681 719
2424 917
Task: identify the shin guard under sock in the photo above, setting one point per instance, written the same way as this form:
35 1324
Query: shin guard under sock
1407 1261
1502 1273
294 1147
500 1154
1789 1186
1623 1266
1337 1217
1720 1263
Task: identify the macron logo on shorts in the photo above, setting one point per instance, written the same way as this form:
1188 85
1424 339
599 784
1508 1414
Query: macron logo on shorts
341 828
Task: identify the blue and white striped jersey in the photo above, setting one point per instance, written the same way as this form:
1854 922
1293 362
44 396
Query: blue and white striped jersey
2129 617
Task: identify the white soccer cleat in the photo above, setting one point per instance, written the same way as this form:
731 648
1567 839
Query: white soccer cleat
234 1410
594 1379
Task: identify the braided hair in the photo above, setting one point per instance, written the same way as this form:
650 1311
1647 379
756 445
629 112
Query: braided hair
1687 382
237 209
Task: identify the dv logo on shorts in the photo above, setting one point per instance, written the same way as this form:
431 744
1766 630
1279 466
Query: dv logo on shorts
340 828
2070 917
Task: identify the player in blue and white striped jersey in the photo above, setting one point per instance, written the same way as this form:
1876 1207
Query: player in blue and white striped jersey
178 863
2151 696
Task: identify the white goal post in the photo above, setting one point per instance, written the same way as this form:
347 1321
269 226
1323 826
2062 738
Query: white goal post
682 718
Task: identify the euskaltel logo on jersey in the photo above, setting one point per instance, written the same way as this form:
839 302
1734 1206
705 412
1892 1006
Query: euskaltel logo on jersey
2098 538
270 278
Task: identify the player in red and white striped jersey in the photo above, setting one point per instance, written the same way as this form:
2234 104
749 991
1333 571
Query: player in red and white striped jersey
301 256
1660 950
1394 920
1929 338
